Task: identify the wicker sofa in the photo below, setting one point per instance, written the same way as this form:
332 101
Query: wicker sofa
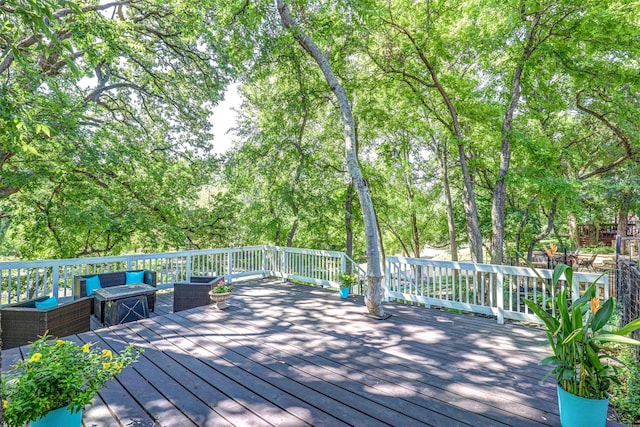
115 278
23 323
193 293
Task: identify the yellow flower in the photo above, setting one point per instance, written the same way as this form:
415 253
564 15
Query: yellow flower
35 357
85 348
5 404
107 353
595 305
106 366
59 342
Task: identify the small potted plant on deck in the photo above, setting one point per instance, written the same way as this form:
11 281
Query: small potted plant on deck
57 380
221 293
579 332
346 281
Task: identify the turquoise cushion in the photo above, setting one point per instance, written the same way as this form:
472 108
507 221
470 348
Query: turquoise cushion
134 277
48 303
93 283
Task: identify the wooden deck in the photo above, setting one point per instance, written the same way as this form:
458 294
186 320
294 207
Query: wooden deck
294 355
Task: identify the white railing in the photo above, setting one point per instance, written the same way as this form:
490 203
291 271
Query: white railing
478 288
312 266
23 280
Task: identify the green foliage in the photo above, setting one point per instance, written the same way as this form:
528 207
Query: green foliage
578 333
597 250
221 287
347 280
105 121
625 396
59 374
104 125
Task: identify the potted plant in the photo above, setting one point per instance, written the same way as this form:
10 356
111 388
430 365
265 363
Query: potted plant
579 332
57 380
220 293
346 281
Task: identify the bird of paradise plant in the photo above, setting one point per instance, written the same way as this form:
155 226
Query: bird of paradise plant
579 332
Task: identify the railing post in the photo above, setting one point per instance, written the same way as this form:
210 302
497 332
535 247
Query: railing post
229 266
387 279
188 267
575 290
285 263
55 278
500 297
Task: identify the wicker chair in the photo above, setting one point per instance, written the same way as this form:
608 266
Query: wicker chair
114 279
194 293
23 323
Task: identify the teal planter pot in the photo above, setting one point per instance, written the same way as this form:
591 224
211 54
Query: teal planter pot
344 292
59 418
578 411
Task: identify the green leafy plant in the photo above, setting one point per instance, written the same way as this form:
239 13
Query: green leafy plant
578 333
625 397
221 287
58 374
346 280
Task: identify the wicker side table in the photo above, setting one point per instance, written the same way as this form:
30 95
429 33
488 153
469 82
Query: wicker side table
194 293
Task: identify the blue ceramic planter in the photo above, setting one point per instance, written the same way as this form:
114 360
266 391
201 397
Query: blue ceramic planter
59 418
578 411
344 292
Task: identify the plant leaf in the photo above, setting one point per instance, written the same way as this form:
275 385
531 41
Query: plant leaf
586 297
613 337
602 316
550 322
559 270
628 328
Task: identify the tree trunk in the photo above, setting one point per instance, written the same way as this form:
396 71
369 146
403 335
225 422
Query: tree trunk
550 226
449 202
574 235
468 193
373 293
348 214
415 236
500 186
292 232
623 216
523 223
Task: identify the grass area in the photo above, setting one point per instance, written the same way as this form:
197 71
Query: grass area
597 250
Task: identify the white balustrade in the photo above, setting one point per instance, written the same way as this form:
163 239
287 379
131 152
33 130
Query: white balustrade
478 288
494 290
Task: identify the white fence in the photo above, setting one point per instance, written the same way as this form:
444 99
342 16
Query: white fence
23 280
478 288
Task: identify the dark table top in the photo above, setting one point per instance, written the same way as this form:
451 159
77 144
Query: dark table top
121 291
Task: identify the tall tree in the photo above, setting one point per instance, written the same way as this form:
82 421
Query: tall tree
98 95
373 293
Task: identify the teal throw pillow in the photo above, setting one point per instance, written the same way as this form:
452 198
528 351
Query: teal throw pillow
134 277
93 283
48 303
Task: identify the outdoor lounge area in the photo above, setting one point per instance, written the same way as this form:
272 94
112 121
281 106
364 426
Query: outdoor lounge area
292 354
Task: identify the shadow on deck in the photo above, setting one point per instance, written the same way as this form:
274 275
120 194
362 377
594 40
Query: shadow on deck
288 354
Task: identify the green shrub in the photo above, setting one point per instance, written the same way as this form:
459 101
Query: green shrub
625 397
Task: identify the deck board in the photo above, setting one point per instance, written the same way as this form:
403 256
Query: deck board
293 355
